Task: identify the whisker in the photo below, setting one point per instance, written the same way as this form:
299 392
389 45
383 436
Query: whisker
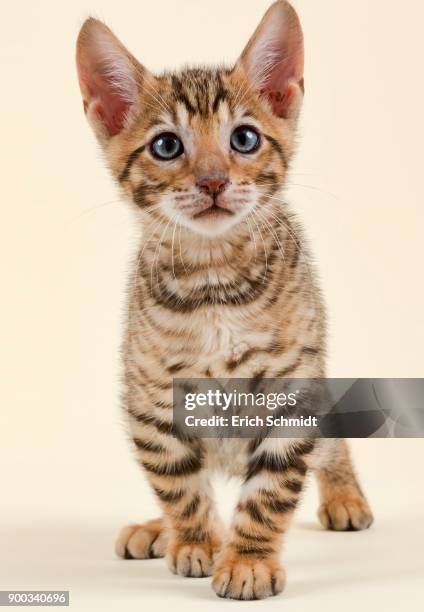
89 211
291 184
155 263
180 247
160 100
172 245
271 229
157 225
293 236
263 244
253 237
328 193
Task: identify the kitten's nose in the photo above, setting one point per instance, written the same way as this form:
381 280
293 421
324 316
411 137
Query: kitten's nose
212 185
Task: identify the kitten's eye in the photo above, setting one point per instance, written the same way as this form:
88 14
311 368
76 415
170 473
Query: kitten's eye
245 139
166 146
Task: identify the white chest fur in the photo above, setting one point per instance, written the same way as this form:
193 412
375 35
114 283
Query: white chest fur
225 335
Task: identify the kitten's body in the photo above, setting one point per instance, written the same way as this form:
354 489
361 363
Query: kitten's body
227 293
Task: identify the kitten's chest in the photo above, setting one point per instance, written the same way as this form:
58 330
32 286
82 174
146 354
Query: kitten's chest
224 337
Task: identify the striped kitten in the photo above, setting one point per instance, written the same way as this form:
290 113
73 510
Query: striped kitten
222 288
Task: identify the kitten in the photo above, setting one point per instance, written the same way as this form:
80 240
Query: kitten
222 288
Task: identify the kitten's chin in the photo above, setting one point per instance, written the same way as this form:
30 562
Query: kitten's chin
212 222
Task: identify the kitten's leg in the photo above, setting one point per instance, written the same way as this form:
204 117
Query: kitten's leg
249 566
196 532
189 530
146 541
343 505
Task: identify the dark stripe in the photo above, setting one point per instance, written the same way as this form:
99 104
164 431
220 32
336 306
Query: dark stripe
253 551
162 426
232 365
278 148
273 348
289 369
251 537
311 350
304 447
160 329
148 446
256 381
254 445
255 514
278 506
267 178
296 255
295 486
184 467
162 405
150 381
127 554
202 101
193 535
191 508
273 463
181 96
169 496
210 296
225 294
143 193
177 367
131 159
221 96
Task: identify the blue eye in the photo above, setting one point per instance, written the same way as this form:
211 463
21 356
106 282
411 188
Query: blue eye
245 139
166 146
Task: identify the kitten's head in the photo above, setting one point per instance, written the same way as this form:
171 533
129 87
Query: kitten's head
204 147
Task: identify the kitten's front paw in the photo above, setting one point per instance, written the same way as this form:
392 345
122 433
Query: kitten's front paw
146 541
192 560
247 579
346 513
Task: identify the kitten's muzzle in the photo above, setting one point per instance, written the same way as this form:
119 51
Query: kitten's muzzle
213 187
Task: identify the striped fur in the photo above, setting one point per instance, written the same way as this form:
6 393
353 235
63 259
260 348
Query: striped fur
227 296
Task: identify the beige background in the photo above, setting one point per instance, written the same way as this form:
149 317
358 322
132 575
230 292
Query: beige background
67 476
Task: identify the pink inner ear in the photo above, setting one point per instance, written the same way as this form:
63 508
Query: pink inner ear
281 96
106 77
109 105
274 58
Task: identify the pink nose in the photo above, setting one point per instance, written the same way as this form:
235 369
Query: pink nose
212 185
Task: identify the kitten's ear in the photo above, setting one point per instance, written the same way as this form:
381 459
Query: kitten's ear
273 60
110 79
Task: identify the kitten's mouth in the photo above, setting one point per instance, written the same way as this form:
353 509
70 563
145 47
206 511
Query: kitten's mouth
213 212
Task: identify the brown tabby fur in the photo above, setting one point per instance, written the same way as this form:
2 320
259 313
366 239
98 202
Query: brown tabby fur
236 303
